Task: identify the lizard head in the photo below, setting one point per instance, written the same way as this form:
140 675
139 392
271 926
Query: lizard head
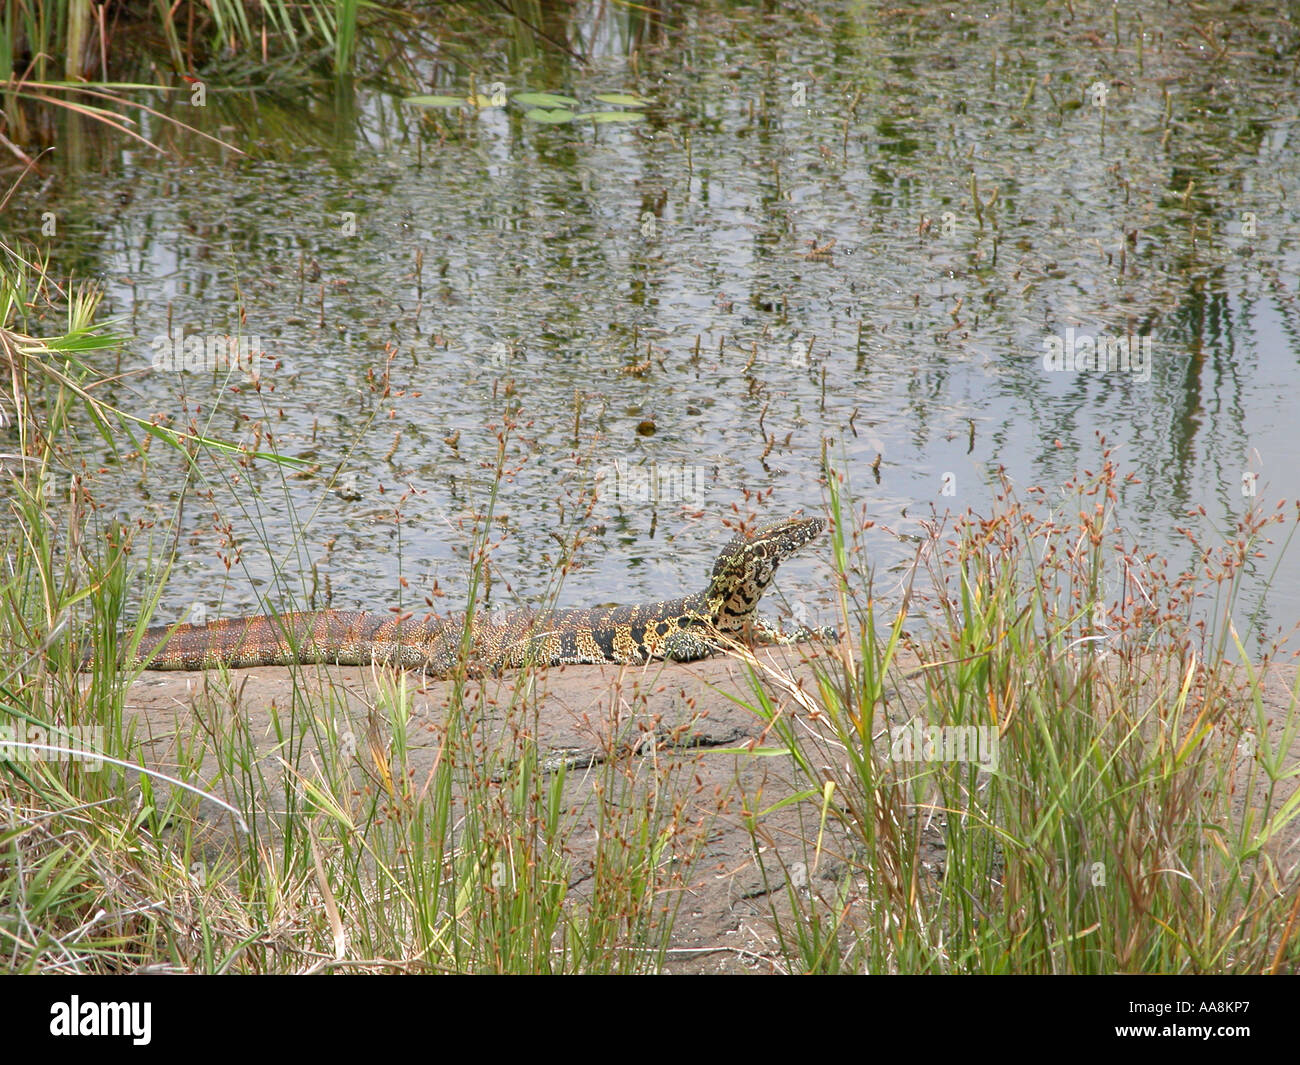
747 565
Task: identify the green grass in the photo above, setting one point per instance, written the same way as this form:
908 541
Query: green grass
63 39
58 61
1142 812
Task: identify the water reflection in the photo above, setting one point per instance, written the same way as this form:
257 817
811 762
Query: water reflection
831 229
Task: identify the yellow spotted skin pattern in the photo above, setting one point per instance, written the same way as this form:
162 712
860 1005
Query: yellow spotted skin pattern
677 629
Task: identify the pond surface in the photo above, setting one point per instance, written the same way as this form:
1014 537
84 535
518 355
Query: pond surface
837 233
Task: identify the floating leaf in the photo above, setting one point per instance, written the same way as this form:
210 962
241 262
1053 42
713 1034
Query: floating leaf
615 116
435 101
538 114
621 99
544 99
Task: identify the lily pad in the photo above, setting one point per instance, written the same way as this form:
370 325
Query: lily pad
538 114
435 101
544 99
621 99
615 116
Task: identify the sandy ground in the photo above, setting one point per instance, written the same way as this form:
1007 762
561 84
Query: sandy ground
595 719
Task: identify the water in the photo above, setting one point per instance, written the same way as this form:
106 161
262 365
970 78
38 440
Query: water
782 259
